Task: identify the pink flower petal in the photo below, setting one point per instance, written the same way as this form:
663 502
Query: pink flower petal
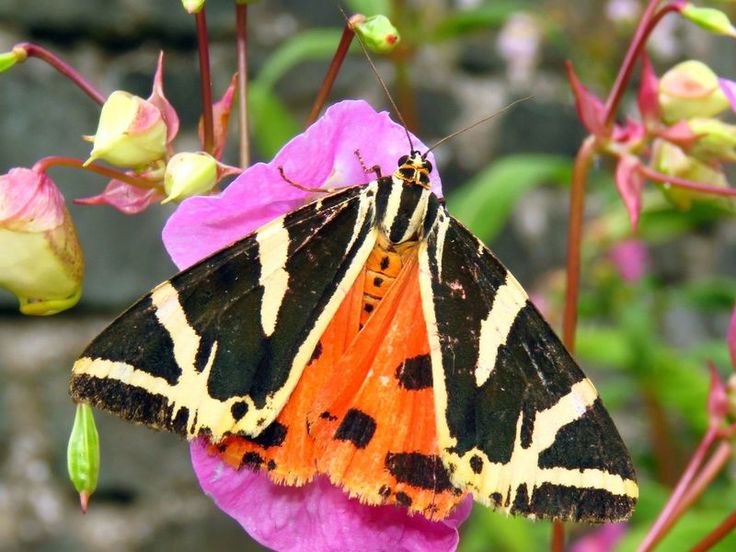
29 201
602 539
318 516
631 259
221 113
323 156
630 184
590 108
158 99
729 89
127 199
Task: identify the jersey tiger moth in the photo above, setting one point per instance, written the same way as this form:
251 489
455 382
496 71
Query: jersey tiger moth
371 337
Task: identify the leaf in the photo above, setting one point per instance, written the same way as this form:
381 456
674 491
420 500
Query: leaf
485 202
461 22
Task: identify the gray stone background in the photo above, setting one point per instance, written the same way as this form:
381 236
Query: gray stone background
148 498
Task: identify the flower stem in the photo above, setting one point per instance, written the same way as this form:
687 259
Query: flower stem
327 83
662 524
205 81
647 23
684 183
43 165
241 29
717 534
34 50
582 164
558 537
712 468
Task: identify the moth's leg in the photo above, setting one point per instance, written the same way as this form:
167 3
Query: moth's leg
305 188
374 169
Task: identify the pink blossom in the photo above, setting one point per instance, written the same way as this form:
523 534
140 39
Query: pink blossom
317 516
602 539
630 258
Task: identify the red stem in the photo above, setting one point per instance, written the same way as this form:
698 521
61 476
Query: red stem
662 525
34 50
241 29
558 537
332 70
43 165
582 164
717 534
648 22
712 468
684 183
205 81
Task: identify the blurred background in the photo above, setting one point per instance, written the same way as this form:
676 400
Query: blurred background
654 306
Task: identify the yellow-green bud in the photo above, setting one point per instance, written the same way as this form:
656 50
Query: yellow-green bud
131 132
8 59
717 139
710 19
377 33
690 89
189 174
83 454
41 261
193 6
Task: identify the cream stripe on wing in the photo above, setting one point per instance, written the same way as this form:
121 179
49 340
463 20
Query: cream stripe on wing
273 252
510 298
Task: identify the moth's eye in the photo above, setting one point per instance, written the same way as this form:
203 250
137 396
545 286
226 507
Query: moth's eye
403 159
428 165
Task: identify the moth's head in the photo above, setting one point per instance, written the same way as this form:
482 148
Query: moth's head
414 169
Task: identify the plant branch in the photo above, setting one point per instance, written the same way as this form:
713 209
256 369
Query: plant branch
647 23
43 165
34 50
558 537
717 534
712 468
662 524
205 81
241 29
684 183
329 80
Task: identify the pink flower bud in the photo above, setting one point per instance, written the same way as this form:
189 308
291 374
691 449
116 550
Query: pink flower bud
42 262
690 89
131 132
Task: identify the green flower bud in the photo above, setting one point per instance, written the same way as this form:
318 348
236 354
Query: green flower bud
376 32
690 89
193 6
717 139
83 454
131 132
710 19
189 174
9 59
41 261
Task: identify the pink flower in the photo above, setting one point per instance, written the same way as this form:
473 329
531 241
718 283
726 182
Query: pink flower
316 516
630 258
602 539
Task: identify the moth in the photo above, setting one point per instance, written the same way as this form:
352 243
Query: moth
371 337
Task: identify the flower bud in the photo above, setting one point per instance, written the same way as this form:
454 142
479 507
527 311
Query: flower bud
377 33
193 6
710 19
83 454
717 140
9 59
131 132
690 89
41 261
189 174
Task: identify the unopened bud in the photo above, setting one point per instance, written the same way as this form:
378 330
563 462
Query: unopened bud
131 132
690 89
193 6
717 140
710 19
83 454
377 33
189 174
41 261
9 59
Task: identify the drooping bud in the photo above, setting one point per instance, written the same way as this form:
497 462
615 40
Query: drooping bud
717 140
131 132
690 89
9 59
710 19
377 33
83 454
189 174
41 261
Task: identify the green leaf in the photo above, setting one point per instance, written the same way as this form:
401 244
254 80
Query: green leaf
315 44
273 125
489 16
485 203
369 7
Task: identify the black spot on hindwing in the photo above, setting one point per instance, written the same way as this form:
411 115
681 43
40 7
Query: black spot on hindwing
418 470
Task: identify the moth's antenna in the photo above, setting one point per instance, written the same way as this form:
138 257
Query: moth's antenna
380 80
475 124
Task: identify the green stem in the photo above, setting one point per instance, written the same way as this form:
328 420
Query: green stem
241 29
205 81
34 50
43 165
